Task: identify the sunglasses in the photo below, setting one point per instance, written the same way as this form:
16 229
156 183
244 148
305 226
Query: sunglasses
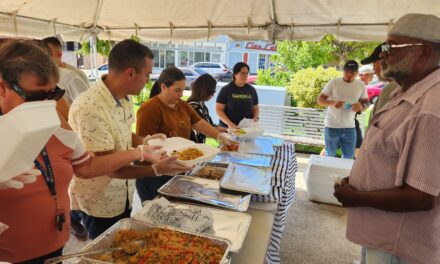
386 47
53 94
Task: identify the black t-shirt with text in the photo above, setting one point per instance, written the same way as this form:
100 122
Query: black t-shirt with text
238 102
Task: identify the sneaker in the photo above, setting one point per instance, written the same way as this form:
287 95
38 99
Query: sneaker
79 231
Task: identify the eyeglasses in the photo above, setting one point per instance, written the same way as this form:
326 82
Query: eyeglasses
387 46
54 94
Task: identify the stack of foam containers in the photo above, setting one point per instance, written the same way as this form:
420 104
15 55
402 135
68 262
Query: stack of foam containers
319 177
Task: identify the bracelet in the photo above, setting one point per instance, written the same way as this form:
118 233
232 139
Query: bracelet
141 147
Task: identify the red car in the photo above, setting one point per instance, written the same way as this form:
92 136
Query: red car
251 79
374 89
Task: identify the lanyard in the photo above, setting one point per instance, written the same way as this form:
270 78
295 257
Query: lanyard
48 175
50 181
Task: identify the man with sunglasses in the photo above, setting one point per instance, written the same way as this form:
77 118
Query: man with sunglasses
390 85
393 189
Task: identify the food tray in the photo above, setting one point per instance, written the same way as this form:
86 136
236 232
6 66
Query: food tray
230 225
204 191
260 146
247 179
198 169
245 159
105 239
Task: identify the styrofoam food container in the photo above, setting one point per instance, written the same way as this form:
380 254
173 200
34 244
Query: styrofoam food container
170 143
208 151
24 132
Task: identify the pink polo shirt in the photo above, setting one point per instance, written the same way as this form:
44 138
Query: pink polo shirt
30 212
402 145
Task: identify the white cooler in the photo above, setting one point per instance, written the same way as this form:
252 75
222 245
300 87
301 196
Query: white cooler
319 177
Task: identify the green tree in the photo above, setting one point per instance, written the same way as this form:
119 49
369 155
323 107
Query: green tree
273 78
103 47
349 50
307 84
296 55
293 56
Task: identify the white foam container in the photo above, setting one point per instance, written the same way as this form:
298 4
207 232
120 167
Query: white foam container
319 177
170 143
209 153
178 144
24 132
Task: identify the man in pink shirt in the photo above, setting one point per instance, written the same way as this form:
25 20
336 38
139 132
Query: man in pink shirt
392 193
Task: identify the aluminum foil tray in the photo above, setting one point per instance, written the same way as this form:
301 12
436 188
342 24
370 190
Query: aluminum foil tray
245 159
204 191
227 224
260 146
106 238
247 179
199 169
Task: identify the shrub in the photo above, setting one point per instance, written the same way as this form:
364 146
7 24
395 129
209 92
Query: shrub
144 95
271 78
307 84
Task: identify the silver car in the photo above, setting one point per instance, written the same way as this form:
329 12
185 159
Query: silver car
191 74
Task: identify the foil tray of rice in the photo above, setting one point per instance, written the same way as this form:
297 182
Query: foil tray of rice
163 244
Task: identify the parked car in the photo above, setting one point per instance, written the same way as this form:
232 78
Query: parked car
154 76
224 77
252 78
212 68
191 74
374 89
103 69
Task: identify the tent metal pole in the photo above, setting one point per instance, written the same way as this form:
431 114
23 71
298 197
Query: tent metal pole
93 56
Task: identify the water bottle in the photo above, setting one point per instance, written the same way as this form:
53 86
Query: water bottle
347 106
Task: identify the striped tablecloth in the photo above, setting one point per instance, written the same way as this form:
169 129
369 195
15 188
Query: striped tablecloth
284 167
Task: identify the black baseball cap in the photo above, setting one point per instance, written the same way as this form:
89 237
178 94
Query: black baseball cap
351 65
374 56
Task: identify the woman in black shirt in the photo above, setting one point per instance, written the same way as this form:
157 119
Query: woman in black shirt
237 100
202 90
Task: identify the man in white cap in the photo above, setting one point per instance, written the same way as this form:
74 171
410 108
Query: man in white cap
393 189
366 74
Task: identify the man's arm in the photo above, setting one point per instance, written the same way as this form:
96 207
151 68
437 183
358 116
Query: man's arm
114 164
324 101
361 106
399 199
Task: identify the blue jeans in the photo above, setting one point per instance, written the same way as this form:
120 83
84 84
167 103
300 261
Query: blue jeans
344 138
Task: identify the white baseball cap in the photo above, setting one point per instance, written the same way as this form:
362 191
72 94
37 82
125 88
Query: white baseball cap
366 69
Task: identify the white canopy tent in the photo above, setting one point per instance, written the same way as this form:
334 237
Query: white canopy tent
176 20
